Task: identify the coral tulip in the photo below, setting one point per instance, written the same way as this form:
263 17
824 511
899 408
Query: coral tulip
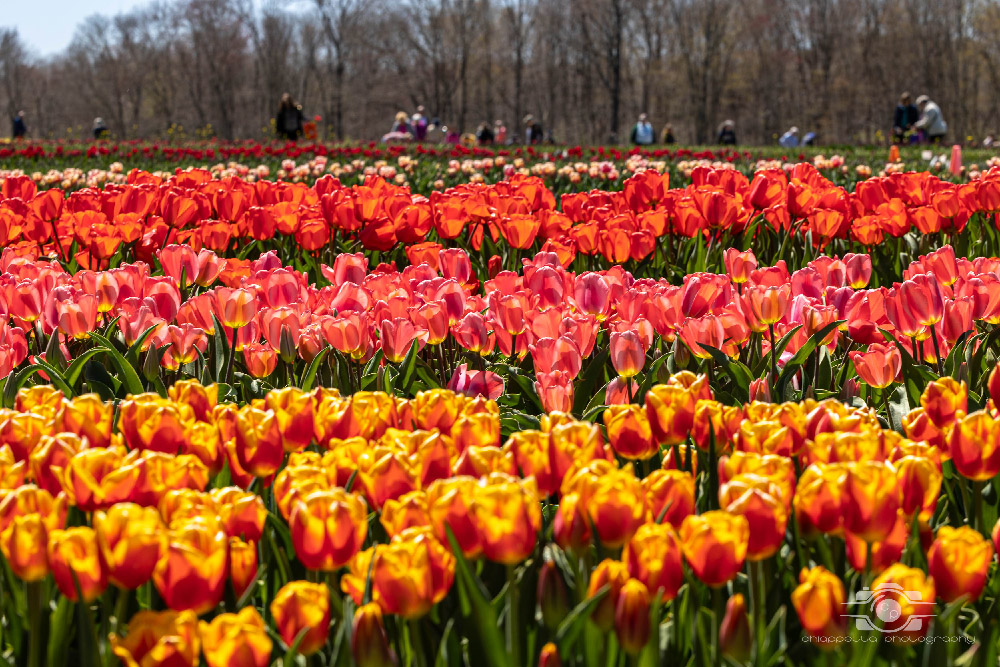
959 561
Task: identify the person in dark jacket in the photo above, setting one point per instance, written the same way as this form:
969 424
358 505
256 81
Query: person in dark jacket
484 135
727 133
289 120
100 129
904 118
532 130
20 128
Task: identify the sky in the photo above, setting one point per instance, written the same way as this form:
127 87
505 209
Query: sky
47 26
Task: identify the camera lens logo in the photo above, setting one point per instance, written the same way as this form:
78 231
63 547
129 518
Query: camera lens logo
889 609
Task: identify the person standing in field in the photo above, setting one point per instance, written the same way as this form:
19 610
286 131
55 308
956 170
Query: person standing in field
485 135
790 139
288 122
905 117
667 135
642 132
20 129
419 124
727 133
931 122
499 132
532 130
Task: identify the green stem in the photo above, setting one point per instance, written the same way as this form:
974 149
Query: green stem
977 505
36 634
888 412
513 622
756 572
774 365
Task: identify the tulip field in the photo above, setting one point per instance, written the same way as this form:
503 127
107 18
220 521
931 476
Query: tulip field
693 414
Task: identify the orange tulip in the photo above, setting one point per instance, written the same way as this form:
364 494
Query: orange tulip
879 365
96 479
670 410
759 500
974 444
919 482
328 527
871 500
23 544
670 496
629 432
654 557
819 600
193 569
959 562
258 441
408 576
735 637
236 640
715 545
159 638
508 517
73 558
242 564
302 606
911 593
632 624
369 642
130 539
611 573
883 553
945 400
549 657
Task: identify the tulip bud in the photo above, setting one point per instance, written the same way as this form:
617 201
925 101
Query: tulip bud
632 616
151 364
494 266
369 643
286 346
682 356
53 352
549 657
553 598
996 536
994 386
735 638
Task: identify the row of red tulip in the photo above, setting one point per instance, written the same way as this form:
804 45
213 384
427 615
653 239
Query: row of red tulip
135 220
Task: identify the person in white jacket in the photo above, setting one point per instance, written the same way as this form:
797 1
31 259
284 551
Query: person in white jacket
931 121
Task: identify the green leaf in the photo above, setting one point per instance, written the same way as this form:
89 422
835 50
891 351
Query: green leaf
309 376
128 377
14 383
55 378
408 366
76 368
573 625
734 368
132 354
486 642
592 377
60 628
800 357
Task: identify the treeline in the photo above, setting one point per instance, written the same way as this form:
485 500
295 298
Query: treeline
584 68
